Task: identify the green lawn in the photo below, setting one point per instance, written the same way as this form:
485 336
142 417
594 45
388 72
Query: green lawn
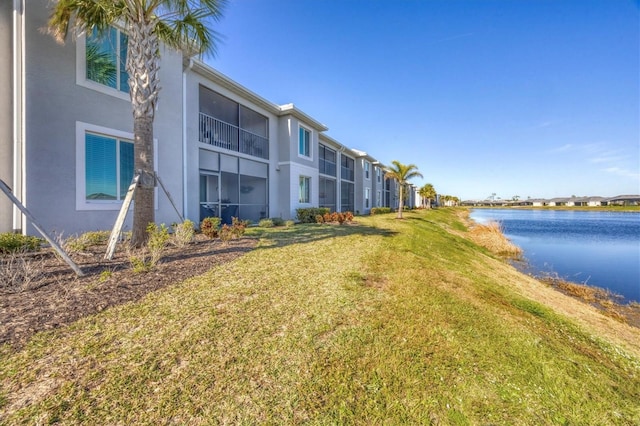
382 322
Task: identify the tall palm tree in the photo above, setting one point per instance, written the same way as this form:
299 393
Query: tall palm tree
402 173
184 25
428 193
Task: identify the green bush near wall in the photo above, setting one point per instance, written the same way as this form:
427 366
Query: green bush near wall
308 215
380 210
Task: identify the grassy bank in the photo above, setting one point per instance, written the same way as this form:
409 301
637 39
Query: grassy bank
385 321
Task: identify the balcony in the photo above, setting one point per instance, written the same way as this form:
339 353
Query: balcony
224 135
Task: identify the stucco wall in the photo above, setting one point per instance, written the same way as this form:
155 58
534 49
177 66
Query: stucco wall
6 114
55 103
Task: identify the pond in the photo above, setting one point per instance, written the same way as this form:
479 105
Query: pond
596 248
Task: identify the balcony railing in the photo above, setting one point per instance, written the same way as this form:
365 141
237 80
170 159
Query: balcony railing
227 136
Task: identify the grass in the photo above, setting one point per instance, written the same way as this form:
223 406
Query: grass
383 322
491 237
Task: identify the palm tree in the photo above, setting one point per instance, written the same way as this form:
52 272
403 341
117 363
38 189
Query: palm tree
402 173
428 193
179 24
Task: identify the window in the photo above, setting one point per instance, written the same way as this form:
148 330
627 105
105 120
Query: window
378 174
379 199
104 167
327 193
304 142
367 195
347 196
327 160
305 189
367 166
102 62
347 168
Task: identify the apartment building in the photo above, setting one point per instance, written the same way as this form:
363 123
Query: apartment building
66 139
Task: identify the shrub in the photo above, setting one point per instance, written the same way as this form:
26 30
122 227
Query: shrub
152 253
266 223
335 217
277 221
238 227
308 215
289 223
210 226
86 240
13 243
226 233
18 272
380 210
158 239
183 233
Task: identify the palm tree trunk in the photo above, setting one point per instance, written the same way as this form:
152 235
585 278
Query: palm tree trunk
400 204
143 209
143 66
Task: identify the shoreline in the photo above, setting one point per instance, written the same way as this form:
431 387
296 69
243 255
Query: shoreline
600 298
610 209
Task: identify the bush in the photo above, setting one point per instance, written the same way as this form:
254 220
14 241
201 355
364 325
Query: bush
13 243
210 226
266 223
308 215
86 240
238 227
183 233
289 224
19 272
277 221
335 217
380 210
152 253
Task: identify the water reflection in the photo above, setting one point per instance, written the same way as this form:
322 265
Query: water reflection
595 248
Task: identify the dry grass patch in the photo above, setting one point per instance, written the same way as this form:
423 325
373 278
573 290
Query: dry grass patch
491 237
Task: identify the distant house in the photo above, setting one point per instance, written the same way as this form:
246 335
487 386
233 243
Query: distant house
578 201
624 200
596 201
558 202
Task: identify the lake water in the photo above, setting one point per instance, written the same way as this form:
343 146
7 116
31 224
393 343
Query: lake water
595 248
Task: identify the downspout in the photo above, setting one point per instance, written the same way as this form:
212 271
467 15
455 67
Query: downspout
185 201
18 112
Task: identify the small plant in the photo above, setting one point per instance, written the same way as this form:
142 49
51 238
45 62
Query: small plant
14 243
151 254
289 224
238 227
86 240
380 210
105 275
18 272
319 218
266 223
308 215
158 239
226 233
210 226
277 221
183 233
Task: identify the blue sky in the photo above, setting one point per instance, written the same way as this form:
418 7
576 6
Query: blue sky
514 97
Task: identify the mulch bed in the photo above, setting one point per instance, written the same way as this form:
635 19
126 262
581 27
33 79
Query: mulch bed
57 297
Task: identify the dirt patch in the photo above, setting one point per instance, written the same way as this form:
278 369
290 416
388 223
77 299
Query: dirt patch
56 296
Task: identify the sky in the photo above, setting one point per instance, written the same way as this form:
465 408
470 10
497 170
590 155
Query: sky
522 98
